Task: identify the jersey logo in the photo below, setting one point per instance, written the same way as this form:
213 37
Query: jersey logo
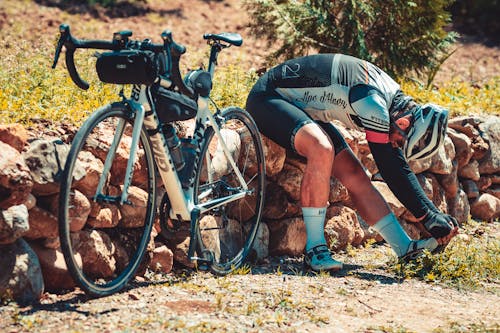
287 72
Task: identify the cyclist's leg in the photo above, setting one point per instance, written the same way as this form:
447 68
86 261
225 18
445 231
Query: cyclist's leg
293 129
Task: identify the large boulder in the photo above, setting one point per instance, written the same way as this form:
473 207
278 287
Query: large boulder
20 274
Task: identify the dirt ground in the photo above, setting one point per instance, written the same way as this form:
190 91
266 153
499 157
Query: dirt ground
277 296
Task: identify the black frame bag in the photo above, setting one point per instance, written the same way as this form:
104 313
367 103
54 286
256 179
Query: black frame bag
172 106
128 67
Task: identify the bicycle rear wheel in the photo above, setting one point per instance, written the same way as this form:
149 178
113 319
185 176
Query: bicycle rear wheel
103 241
226 232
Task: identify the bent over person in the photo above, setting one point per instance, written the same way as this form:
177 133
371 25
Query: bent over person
294 104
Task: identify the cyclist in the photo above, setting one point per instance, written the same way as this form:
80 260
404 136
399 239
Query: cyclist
294 104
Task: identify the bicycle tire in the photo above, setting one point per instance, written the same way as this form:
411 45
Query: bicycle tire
103 255
225 234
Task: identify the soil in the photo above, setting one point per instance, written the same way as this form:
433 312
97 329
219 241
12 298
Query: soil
277 295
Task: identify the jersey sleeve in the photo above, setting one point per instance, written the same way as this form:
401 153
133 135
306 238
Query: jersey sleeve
371 111
401 179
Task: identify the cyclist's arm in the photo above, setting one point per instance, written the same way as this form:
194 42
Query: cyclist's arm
401 179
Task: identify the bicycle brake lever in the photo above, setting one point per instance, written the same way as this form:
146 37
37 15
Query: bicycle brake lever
64 30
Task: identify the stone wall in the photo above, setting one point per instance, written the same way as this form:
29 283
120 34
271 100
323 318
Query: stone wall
463 179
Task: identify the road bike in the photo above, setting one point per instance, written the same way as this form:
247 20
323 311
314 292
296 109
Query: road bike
127 153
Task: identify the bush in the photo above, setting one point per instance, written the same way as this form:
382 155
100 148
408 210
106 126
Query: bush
477 16
398 36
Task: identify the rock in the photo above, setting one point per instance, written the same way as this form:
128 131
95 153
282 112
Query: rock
15 179
470 188
450 182
46 160
486 207
463 147
275 156
230 237
30 201
98 143
395 205
490 163
55 272
212 238
287 237
107 217
163 259
459 207
465 124
21 275
442 160
133 215
96 251
483 183
79 209
420 166
91 167
438 193
494 191
43 224
180 251
479 148
15 135
470 171
261 242
13 224
276 202
342 227
290 179
244 209
338 192
232 140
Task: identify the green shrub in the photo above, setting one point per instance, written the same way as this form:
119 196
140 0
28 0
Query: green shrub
399 36
477 16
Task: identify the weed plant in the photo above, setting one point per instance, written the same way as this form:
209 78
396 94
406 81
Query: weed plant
470 260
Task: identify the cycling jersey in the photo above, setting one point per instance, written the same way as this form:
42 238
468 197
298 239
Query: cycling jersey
325 87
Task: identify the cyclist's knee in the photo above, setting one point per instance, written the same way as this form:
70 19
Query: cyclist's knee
312 143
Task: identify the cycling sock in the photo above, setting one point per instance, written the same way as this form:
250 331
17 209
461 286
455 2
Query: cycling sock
390 229
314 219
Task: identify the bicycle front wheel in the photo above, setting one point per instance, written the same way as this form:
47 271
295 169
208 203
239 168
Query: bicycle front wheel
226 232
103 240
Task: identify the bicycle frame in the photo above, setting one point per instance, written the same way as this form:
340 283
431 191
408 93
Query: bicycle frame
182 203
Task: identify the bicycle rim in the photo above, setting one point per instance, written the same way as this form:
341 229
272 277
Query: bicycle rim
104 242
226 233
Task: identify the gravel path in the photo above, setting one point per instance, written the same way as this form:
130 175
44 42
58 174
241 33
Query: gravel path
277 296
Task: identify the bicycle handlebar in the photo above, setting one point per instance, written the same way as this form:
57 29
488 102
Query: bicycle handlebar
120 42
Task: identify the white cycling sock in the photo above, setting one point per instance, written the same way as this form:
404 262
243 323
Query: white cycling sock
393 233
314 219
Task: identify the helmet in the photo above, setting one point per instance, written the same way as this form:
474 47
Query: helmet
427 131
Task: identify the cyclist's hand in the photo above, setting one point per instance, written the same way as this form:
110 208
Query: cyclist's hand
439 225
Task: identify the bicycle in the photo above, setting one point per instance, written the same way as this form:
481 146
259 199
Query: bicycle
213 180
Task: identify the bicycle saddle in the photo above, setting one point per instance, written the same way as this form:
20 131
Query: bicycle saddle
228 37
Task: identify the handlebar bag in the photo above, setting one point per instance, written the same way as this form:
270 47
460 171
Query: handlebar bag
128 67
172 106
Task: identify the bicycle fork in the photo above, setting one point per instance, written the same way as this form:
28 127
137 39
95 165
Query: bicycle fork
136 133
